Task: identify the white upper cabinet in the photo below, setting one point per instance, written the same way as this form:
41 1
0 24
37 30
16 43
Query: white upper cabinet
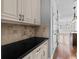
19 9
24 11
9 9
27 11
36 11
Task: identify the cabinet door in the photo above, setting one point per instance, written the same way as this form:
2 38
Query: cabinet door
29 56
45 52
9 9
19 9
37 21
27 11
36 11
37 53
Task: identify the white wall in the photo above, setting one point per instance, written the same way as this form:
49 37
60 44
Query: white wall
67 25
53 27
45 12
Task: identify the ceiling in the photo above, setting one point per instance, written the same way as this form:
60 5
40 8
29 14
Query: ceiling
65 8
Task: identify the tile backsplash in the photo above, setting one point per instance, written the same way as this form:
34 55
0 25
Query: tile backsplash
12 33
42 31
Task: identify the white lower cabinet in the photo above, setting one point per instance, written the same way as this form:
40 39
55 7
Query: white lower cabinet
37 53
45 52
40 52
20 11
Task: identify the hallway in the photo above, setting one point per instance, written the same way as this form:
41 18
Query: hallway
67 47
67 32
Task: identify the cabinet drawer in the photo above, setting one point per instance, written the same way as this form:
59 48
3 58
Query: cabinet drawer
37 49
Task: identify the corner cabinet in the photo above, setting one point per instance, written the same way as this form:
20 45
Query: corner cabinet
27 11
9 10
36 11
24 11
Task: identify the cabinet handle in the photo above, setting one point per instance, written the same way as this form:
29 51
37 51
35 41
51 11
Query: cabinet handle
20 17
38 50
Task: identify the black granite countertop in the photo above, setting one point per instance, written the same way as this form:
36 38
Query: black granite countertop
19 49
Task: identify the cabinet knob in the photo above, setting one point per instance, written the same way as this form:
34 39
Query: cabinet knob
20 17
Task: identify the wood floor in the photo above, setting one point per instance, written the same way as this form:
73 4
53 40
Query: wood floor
73 53
59 54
